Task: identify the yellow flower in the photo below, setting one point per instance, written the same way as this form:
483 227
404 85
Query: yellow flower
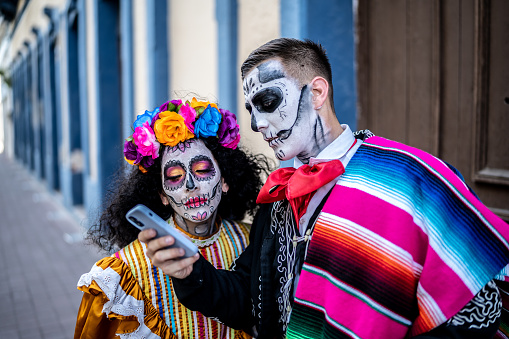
170 129
199 106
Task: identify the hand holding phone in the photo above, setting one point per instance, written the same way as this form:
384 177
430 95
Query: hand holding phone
143 218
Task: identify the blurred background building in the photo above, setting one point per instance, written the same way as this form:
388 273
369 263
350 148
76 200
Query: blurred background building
75 73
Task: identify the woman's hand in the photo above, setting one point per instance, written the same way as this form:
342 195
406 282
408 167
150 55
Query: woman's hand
169 260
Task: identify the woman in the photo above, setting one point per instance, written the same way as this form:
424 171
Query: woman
191 173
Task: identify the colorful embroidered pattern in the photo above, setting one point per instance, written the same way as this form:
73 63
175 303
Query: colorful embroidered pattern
392 250
157 287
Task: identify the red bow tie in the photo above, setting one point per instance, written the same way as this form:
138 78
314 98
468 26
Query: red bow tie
299 185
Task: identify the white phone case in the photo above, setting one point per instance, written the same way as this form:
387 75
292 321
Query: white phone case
143 217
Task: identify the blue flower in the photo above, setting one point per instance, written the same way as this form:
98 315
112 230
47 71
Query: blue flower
208 123
147 116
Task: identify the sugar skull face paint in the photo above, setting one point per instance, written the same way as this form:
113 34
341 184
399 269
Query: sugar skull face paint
282 111
192 180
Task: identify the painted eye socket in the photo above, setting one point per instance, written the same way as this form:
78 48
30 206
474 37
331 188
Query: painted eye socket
203 168
174 175
268 99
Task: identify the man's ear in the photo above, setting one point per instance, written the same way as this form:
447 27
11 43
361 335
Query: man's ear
164 199
320 90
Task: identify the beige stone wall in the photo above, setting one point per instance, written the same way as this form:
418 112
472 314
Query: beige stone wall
259 22
193 48
32 17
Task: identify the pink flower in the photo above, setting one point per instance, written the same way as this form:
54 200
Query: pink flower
232 144
189 115
145 140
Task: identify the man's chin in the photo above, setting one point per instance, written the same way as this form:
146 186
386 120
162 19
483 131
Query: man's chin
283 155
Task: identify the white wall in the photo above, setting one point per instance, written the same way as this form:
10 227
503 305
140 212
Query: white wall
140 57
193 49
32 17
259 22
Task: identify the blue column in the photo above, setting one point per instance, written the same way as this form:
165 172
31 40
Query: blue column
27 93
50 118
19 109
126 29
107 131
40 101
16 84
226 14
29 111
294 19
89 190
334 30
72 169
56 89
36 126
158 62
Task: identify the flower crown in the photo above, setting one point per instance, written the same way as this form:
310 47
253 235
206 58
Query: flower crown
174 122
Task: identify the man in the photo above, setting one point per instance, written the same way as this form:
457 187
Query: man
364 238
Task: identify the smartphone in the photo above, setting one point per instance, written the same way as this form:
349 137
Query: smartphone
143 217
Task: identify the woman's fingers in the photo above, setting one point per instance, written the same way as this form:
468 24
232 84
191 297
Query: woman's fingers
169 260
179 268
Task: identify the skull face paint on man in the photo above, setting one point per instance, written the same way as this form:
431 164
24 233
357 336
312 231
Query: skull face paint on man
191 181
282 112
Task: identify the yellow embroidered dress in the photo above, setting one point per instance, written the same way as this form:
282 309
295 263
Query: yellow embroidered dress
126 297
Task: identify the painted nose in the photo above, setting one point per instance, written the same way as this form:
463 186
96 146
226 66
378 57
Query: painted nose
190 182
257 122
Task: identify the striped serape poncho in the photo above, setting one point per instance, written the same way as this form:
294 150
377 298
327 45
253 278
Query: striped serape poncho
126 296
400 247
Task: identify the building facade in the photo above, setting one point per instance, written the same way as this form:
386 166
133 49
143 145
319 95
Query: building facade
77 72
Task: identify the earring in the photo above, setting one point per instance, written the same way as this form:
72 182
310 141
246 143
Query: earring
319 107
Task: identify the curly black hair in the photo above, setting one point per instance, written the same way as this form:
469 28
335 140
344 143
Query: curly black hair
242 172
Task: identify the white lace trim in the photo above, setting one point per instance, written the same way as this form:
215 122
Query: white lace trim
119 301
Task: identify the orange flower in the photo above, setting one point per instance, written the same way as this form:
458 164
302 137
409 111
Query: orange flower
170 129
131 162
199 106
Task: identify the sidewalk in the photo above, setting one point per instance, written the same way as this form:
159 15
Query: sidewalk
39 264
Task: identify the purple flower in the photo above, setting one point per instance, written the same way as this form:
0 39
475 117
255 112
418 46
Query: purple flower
208 123
131 152
164 107
146 162
154 119
228 132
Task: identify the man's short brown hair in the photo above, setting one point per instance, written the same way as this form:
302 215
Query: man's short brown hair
302 59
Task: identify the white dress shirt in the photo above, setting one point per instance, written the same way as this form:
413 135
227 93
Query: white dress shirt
342 148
